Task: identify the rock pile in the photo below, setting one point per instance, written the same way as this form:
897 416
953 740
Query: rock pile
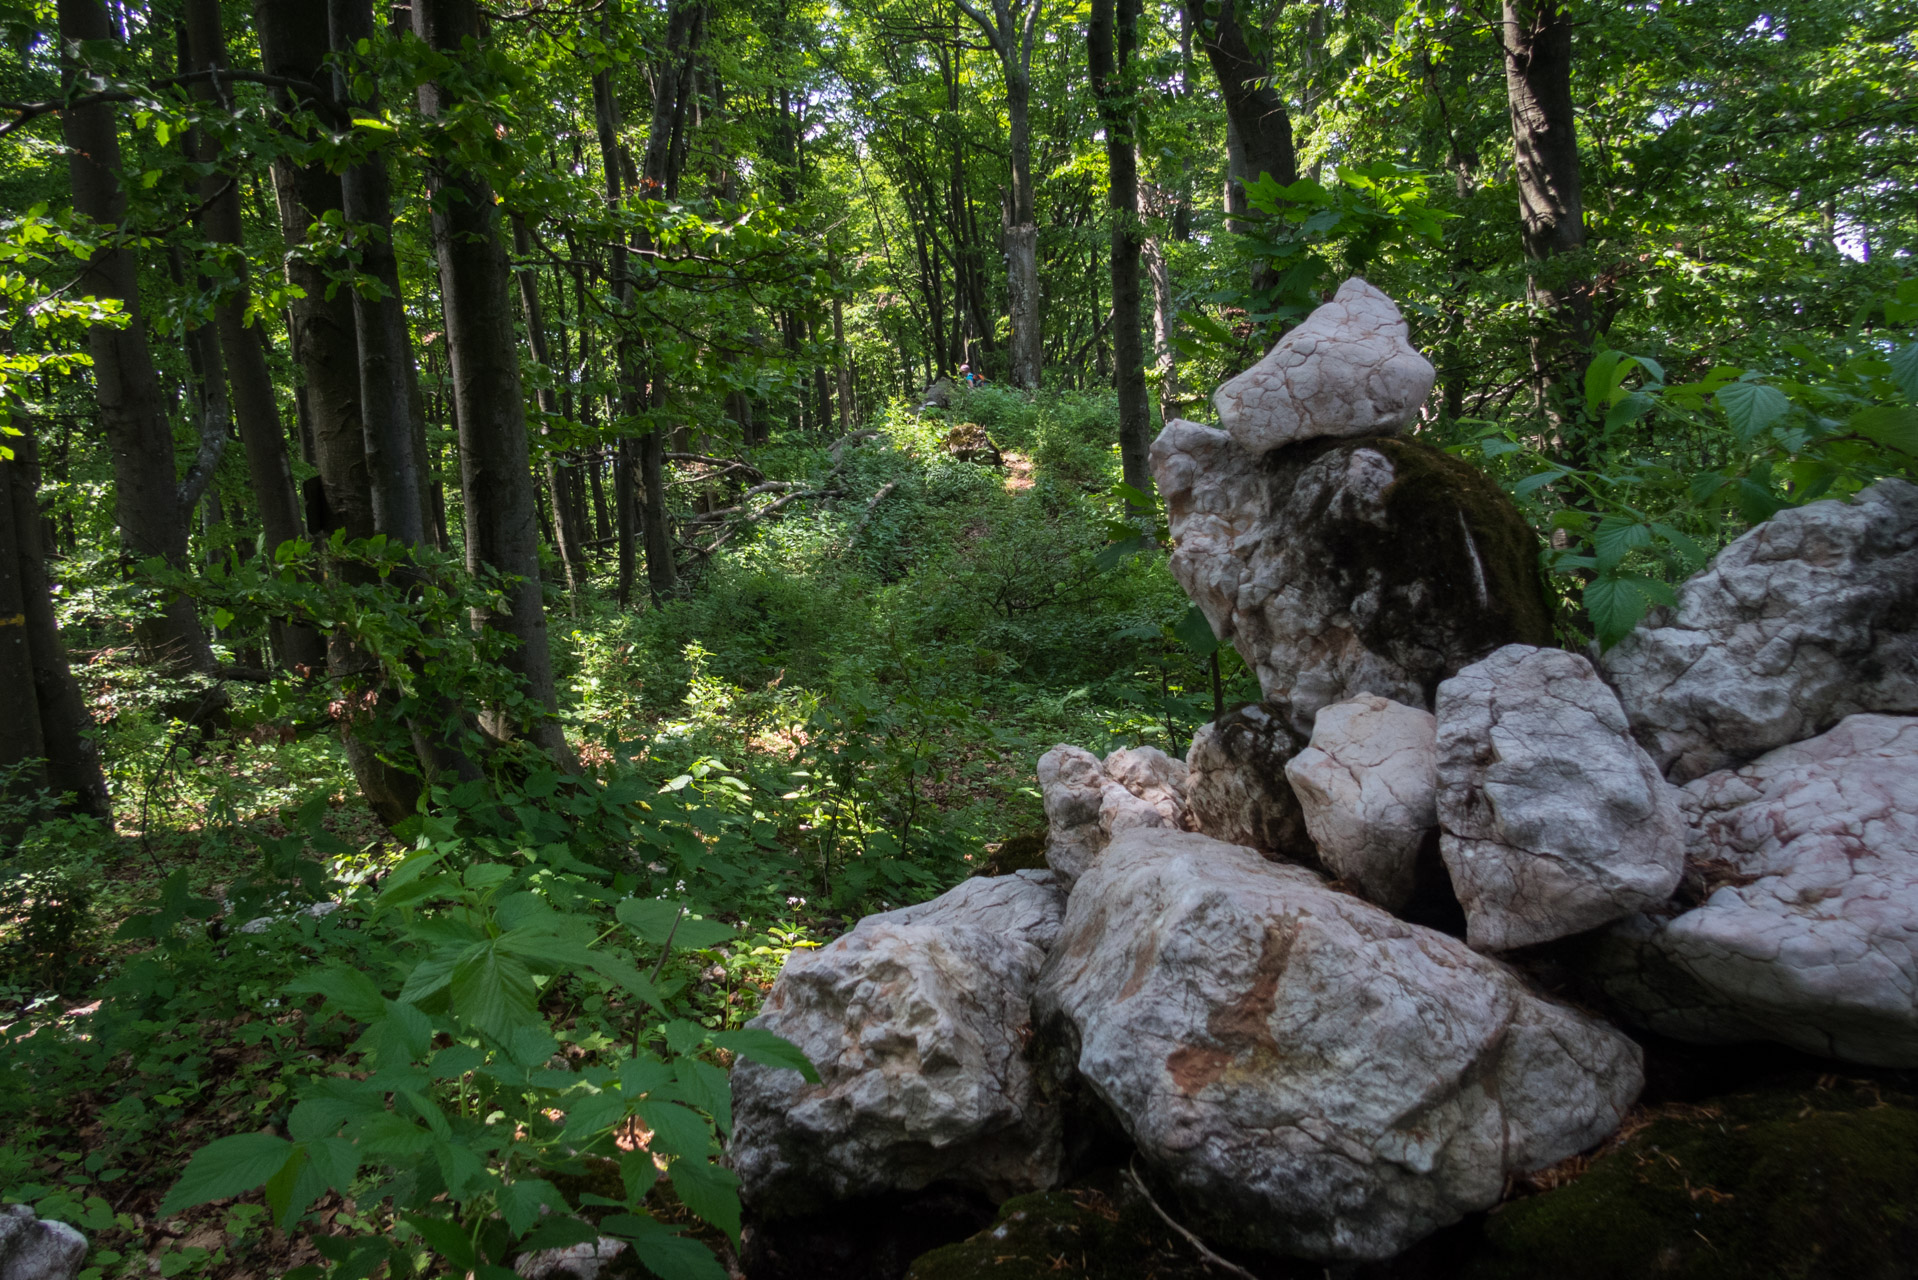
1222 968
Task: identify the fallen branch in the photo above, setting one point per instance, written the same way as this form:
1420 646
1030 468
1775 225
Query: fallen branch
757 516
1206 1254
728 463
871 506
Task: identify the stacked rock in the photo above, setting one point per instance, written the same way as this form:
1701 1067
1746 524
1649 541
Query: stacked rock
1230 956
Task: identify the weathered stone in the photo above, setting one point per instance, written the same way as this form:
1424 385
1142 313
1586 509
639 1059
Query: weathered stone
1088 802
1236 784
1806 619
1554 819
1344 567
1348 370
917 1021
1367 787
1073 783
35 1248
1310 1075
937 395
970 442
1804 868
574 1262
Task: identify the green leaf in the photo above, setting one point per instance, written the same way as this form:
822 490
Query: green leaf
677 1131
1904 370
764 1047
1894 426
1195 633
349 990
1617 602
445 1238
1750 407
1617 537
228 1167
665 1254
709 1191
492 991
1532 484
520 1202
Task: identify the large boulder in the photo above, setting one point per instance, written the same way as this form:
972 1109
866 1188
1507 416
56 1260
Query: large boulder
917 1021
1307 1074
1348 370
1089 801
1806 619
36 1248
1236 787
1804 868
1554 820
1344 567
1367 786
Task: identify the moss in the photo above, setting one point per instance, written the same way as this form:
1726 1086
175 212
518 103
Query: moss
1797 1184
1429 619
1095 1232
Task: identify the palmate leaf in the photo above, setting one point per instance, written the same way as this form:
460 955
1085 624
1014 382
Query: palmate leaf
1750 407
1616 602
1617 537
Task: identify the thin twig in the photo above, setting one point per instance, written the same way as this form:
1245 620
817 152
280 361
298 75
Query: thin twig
1206 1254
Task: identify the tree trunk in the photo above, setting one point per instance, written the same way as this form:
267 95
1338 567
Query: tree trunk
565 535
147 505
1254 110
502 530
384 348
39 699
1112 41
1164 356
256 408
1538 81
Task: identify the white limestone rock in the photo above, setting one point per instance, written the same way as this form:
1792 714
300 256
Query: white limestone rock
36 1248
1806 619
1368 788
1348 370
1554 820
1088 801
1804 868
1312 1076
917 1021
1236 787
1344 567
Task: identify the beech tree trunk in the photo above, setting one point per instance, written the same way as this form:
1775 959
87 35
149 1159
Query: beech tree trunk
1538 79
1164 356
256 409
147 499
1113 41
565 533
39 702
1257 115
502 521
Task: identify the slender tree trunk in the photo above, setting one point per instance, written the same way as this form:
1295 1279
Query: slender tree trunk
502 529
1538 79
384 348
40 703
255 405
1165 356
1027 356
147 499
564 534
1113 37
625 515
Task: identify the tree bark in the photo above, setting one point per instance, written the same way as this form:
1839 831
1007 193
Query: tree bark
1112 43
502 529
256 408
1009 28
147 505
1164 356
38 695
565 534
1537 38
1253 108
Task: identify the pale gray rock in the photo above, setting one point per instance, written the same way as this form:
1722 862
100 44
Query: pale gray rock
1088 801
1236 787
35 1248
1348 370
917 1021
1367 786
1553 818
574 1262
1804 869
1310 1075
1806 619
1344 567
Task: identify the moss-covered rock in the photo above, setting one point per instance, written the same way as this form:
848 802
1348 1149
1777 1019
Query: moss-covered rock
1816 1183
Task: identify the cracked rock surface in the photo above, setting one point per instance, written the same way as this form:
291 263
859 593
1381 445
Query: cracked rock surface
1349 370
1806 619
1367 786
35 1248
917 1021
1309 1074
1804 868
1344 567
1088 801
1236 785
1553 819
